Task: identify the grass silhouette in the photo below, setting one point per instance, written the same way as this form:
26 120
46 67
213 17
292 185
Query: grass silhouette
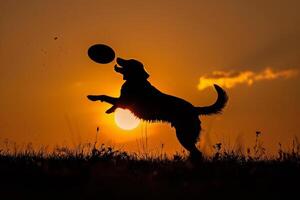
97 171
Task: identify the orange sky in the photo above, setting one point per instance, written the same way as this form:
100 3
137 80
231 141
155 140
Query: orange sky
44 82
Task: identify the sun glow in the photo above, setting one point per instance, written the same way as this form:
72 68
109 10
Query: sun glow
125 119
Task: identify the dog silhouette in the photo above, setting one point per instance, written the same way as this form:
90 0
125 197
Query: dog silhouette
148 103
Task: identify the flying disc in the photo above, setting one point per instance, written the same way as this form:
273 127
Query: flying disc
101 53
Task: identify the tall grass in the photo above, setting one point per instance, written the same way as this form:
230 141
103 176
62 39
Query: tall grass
95 151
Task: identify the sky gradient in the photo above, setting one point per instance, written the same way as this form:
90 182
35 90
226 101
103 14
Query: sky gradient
251 48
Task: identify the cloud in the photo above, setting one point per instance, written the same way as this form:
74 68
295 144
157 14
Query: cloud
231 78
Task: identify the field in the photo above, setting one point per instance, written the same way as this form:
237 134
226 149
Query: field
97 172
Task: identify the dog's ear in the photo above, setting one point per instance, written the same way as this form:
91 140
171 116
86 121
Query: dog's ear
141 70
145 74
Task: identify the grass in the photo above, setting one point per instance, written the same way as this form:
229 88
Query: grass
96 171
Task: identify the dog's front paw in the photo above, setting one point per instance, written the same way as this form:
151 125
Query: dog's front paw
93 97
111 110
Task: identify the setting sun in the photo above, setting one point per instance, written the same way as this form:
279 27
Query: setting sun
125 119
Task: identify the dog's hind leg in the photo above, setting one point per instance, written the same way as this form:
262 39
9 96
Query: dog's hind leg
187 132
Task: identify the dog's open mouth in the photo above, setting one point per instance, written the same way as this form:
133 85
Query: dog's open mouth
119 69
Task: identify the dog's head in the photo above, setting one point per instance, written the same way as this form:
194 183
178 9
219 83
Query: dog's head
131 69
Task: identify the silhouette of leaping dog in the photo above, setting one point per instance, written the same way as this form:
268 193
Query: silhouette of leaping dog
148 103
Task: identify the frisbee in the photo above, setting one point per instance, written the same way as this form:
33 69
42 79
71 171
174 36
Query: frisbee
101 53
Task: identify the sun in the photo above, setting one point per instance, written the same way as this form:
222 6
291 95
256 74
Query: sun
125 119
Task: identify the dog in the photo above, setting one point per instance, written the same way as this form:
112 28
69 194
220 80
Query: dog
149 104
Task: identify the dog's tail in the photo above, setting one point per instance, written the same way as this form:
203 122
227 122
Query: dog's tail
218 106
